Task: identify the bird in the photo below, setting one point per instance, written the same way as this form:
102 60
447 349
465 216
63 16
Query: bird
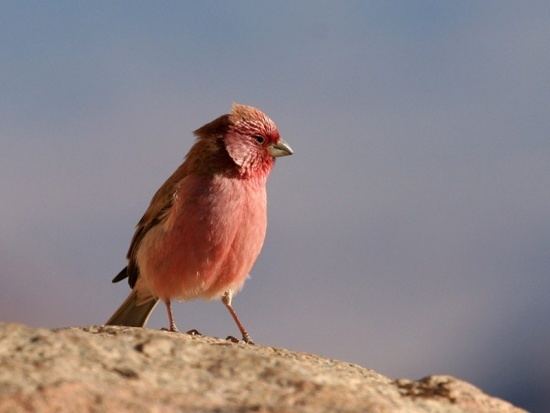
205 226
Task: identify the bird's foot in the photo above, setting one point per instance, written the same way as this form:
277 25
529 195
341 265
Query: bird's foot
172 329
248 340
245 339
193 332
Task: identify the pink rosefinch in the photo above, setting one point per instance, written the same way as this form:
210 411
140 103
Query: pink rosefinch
205 226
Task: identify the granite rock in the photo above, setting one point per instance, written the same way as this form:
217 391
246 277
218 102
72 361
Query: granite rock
121 369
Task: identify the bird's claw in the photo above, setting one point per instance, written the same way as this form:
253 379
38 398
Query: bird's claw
246 340
171 329
232 339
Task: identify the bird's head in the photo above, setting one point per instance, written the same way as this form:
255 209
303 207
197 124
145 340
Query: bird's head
250 138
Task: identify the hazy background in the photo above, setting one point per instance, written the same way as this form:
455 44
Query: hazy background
410 232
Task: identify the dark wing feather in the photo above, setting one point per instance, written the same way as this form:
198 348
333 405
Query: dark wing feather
156 213
121 275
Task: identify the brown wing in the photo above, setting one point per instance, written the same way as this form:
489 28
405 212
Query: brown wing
155 214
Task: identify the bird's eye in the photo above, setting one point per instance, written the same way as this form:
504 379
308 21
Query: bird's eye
260 139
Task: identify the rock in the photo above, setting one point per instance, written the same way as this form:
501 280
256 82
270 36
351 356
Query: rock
121 369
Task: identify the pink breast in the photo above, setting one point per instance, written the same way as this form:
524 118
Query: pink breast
210 240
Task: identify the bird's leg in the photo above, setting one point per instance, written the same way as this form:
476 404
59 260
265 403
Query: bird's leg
226 300
171 319
173 328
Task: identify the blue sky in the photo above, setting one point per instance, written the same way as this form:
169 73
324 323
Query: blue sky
410 233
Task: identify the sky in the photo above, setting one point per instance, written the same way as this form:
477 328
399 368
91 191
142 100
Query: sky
409 233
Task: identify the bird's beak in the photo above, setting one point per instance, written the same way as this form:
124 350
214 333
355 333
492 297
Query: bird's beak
280 148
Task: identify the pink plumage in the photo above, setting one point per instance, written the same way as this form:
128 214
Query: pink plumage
208 241
205 226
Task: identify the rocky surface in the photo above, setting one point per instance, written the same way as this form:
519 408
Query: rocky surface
119 369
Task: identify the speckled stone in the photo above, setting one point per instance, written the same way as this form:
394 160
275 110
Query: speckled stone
121 369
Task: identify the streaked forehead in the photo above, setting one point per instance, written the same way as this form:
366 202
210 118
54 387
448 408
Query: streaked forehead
251 120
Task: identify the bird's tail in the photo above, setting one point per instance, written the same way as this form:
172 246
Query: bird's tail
134 311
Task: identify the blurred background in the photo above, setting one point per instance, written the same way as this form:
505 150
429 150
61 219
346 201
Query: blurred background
410 232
